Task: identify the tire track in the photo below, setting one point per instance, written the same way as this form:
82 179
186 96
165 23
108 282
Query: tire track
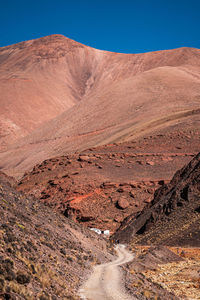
105 281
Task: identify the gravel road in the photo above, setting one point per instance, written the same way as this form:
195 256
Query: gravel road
106 281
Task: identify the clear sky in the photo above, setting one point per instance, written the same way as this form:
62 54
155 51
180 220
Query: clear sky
128 26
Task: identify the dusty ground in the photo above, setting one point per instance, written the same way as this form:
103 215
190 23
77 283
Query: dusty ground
170 224
46 256
102 186
106 282
173 216
182 277
42 254
62 97
138 118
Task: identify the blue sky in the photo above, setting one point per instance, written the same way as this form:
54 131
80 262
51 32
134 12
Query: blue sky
129 26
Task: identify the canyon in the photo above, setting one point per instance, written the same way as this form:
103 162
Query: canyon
92 139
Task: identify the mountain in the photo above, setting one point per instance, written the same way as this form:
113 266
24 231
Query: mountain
60 96
173 216
39 80
43 255
101 186
94 137
46 256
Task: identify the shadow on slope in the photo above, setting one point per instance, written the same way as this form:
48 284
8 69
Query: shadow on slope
173 217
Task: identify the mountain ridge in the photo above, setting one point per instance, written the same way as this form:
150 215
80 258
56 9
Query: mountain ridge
61 96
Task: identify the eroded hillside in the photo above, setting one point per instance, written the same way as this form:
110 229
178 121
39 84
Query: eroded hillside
173 216
101 186
43 255
59 96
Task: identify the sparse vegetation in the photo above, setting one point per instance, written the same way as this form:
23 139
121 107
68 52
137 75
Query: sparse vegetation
40 255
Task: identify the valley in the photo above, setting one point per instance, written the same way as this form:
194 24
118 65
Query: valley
91 139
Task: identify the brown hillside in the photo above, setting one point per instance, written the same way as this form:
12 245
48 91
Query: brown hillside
43 255
90 97
40 79
173 217
101 186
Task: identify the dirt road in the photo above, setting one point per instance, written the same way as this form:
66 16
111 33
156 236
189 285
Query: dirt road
105 281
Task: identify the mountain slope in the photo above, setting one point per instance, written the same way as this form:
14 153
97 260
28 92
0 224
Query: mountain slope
43 255
40 79
173 217
91 97
121 178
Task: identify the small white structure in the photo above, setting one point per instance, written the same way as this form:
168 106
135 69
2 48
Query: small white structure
98 231
106 232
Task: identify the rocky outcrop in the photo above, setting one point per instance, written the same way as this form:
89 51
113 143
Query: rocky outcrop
172 216
76 186
122 203
41 249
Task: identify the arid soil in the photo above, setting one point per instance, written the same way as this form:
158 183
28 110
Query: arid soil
102 186
105 281
43 255
40 79
95 138
173 216
46 256
58 96
171 219
179 274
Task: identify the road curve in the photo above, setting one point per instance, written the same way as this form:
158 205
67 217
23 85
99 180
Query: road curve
105 281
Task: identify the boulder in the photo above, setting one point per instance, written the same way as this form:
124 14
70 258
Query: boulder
122 203
150 163
85 158
109 185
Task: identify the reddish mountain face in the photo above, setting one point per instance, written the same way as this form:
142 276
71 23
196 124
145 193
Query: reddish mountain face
173 216
59 96
102 186
41 249
40 79
97 133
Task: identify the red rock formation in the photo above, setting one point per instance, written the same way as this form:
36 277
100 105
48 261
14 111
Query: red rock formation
74 184
122 203
173 216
